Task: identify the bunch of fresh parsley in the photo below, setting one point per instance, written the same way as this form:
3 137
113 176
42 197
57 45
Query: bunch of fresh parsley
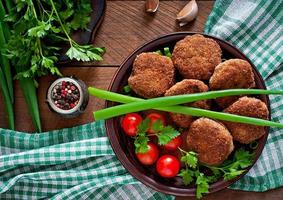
164 134
36 31
39 29
230 169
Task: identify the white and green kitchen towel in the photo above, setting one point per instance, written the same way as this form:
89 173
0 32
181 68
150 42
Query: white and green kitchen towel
78 163
256 28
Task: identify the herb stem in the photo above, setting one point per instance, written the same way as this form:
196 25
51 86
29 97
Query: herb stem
60 22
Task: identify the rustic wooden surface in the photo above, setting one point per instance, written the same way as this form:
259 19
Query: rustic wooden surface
126 26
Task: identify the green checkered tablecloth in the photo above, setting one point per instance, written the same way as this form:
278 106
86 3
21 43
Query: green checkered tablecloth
78 163
75 163
256 28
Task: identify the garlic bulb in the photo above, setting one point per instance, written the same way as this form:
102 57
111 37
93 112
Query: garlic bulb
151 6
188 13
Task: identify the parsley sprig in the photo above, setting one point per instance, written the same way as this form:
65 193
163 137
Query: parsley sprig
233 168
164 134
40 29
230 169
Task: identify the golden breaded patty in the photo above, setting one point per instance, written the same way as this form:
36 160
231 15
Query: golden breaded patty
231 74
152 75
211 140
188 86
250 107
195 57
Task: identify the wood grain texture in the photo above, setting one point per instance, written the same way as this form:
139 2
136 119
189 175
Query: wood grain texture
126 26
98 77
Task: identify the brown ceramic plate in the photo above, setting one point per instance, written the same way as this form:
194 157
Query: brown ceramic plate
123 145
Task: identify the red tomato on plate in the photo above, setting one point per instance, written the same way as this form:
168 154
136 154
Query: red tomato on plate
153 118
168 166
130 123
173 144
150 156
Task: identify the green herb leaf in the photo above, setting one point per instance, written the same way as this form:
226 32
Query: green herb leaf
213 179
167 52
159 52
157 126
190 159
144 125
233 173
202 185
141 143
166 135
40 30
127 89
244 158
142 139
187 175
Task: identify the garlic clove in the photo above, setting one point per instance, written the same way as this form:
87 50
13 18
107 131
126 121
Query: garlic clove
151 6
188 13
183 23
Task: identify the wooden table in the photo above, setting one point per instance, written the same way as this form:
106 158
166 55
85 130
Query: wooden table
126 26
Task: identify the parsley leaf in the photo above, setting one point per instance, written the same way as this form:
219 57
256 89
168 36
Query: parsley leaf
166 135
40 30
157 126
142 139
190 159
202 185
141 143
232 173
230 169
144 126
244 158
187 175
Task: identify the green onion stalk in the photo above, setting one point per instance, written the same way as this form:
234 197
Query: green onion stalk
7 100
27 84
170 104
6 80
29 90
4 36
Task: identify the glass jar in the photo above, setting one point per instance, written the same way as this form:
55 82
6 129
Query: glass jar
67 96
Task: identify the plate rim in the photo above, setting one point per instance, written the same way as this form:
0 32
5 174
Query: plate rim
185 192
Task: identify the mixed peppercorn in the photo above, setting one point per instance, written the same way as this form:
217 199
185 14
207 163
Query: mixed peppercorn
65 95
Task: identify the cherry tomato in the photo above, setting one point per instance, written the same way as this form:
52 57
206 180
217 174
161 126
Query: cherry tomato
153 118
168 166
173 144
149 157
130 123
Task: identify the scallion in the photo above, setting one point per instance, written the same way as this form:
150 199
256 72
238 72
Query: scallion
7 100
169 105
